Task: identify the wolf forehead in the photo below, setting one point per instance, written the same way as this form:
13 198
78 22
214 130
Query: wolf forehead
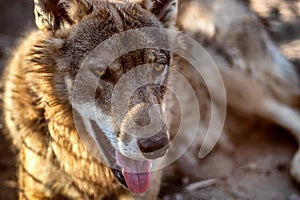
105 21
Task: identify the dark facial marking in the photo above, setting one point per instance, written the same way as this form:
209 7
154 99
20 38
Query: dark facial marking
119 176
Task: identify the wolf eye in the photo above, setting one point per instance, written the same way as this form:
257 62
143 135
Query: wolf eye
158 67
99 72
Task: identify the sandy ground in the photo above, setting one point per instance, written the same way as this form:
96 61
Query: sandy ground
257 168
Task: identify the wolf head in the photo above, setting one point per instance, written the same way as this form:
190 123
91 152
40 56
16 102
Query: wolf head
134 81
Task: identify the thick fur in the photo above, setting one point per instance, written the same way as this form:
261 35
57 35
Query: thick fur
53 162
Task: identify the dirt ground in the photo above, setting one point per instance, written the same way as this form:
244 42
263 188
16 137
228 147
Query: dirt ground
258 168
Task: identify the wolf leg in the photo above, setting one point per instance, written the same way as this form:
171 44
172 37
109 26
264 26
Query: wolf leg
39 177
290 119
31 177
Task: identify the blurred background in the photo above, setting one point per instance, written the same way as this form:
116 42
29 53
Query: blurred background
16 17
258 166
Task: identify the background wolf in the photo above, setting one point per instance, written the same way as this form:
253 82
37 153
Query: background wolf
259 81
261 84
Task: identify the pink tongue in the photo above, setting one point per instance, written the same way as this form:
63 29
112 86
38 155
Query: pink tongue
136 173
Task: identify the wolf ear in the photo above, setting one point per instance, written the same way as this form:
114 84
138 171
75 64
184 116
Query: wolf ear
164 10
51 15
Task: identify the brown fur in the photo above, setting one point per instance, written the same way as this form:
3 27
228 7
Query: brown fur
45 137
54 163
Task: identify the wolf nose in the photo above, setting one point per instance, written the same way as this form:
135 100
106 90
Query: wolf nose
155 146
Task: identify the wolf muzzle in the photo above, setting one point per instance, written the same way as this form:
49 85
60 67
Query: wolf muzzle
155 146
147 125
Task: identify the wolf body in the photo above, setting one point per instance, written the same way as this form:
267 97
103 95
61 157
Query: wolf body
53 161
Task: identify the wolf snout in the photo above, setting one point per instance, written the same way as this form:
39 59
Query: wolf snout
155 146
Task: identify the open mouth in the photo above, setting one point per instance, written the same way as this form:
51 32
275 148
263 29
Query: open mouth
132 174
135 174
